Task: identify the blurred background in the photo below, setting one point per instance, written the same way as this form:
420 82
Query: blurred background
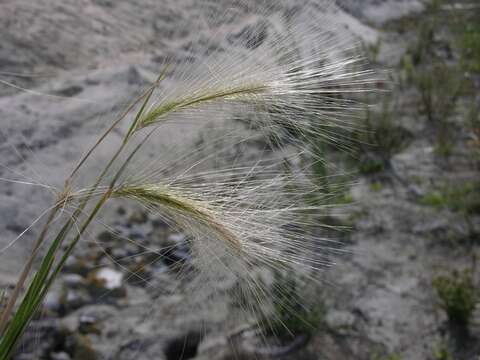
406 285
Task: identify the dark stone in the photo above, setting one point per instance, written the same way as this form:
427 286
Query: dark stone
107 236
121 211
158 222
138 217
183 347
69 91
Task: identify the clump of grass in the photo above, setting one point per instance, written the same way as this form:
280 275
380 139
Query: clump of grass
467 39
240 216
458 297
441 352
473 123
3 299
393 356
372 166
463 198
372 51
376 187
440 86
292 314
421 48
471 48
379 139
444 33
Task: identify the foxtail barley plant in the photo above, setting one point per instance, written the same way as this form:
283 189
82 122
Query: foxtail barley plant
296 87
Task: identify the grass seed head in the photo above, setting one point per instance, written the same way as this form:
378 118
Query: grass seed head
300 82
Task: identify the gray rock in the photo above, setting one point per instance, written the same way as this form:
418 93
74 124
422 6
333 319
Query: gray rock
75 298
53 300
137 233
83 349
118 252
73 281
60 356
88 324
106 282
41 336
158 222
340 321
77 265
130 248
107 236
138 217
176 238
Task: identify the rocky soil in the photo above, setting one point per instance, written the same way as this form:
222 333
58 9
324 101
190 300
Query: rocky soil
120 299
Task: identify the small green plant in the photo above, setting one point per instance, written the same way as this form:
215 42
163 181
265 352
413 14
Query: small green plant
428 66
3 298
293 313
369 167
441 352
379 139
372 51
458 296
435 199
440 86
376 186
473 123
332 188
469 39
393 356
421 49
463 198
407 70
444 147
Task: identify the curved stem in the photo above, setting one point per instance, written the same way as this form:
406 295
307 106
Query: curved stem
145 95
6 313
26 269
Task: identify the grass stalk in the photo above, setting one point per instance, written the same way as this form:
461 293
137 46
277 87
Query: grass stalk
26 270
41 281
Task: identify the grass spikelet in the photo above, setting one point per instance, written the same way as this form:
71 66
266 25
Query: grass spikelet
226 94
162 198
291 93
241 222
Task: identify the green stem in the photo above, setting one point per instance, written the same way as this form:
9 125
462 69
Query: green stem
42 282
44 277
26 270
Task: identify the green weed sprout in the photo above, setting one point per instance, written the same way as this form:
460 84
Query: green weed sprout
294 87
458 297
